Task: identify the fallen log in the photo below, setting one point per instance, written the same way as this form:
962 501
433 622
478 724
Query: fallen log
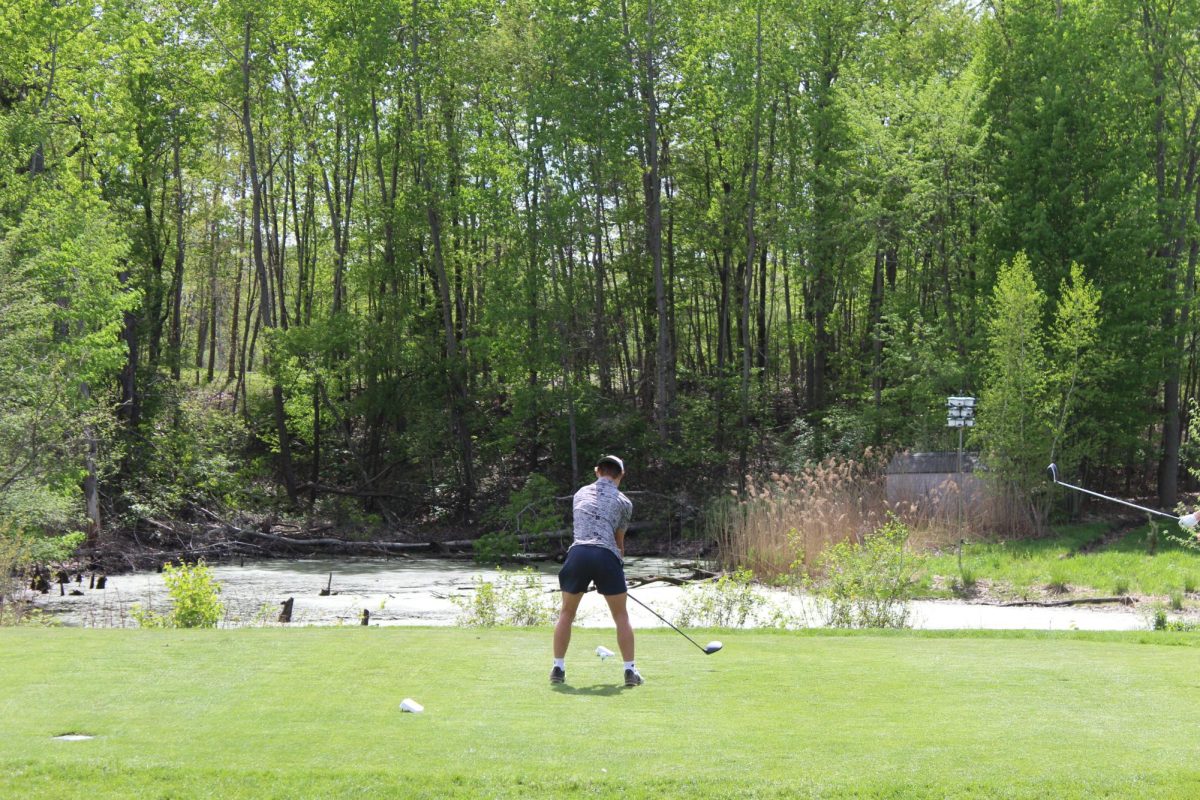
342 544
697 576
1124 600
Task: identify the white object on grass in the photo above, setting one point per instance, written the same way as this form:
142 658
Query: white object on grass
412 706
604 652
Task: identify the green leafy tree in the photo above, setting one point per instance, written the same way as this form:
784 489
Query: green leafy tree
1012 424
1033 384
60 345
1078 365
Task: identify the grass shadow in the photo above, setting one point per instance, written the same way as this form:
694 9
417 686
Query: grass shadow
599 690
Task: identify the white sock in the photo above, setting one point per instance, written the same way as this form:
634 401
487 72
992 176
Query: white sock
629 665
561 663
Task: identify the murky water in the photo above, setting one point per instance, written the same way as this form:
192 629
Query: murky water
420 592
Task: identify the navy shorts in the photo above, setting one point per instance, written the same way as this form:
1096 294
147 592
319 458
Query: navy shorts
587 563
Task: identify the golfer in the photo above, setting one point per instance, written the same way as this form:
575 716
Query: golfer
596 555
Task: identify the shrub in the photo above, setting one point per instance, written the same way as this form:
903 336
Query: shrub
514 598
966 581
1176 601
1160 621
731 601
1058 582
869 585
495 547
966 575
1121 586
196 599
529 510
195 459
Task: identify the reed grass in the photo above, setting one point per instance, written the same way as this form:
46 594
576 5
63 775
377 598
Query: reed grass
783 524
13 555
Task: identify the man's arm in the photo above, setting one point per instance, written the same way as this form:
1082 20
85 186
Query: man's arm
623 525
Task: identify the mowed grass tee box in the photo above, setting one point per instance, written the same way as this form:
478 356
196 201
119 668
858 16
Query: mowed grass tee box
315 713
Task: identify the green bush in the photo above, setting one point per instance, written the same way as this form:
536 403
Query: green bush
529 511
495 547
966 581
196 459
196 597
869 585
731 601
1059 580
514 598
1176 601
1160 621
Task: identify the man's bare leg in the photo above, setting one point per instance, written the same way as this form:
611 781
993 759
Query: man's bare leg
616 605
566 616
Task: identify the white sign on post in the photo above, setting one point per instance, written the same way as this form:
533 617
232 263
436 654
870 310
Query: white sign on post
960 412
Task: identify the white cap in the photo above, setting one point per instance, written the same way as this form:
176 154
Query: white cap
411 706
612 460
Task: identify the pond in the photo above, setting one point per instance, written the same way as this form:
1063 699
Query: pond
419 591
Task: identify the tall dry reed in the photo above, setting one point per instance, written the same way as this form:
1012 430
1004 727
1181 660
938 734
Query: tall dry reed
12 579
783 524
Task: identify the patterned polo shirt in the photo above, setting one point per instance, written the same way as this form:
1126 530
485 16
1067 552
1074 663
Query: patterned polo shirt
600 511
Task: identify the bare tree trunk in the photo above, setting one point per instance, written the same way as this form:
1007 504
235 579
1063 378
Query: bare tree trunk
234 350
793 351
874 338
751 202
532 204
454 366
600 332
201 336
266 305
91 481
175 336
213 288
131 400
664 361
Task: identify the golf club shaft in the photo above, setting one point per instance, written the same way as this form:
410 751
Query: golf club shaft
1114 500
664 619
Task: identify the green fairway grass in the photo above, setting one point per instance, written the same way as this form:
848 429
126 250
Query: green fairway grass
1080 557
314 713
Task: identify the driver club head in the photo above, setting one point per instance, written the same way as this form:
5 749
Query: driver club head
1053 470
712 647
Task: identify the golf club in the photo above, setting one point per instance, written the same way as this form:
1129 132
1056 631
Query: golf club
1190 518
708 649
